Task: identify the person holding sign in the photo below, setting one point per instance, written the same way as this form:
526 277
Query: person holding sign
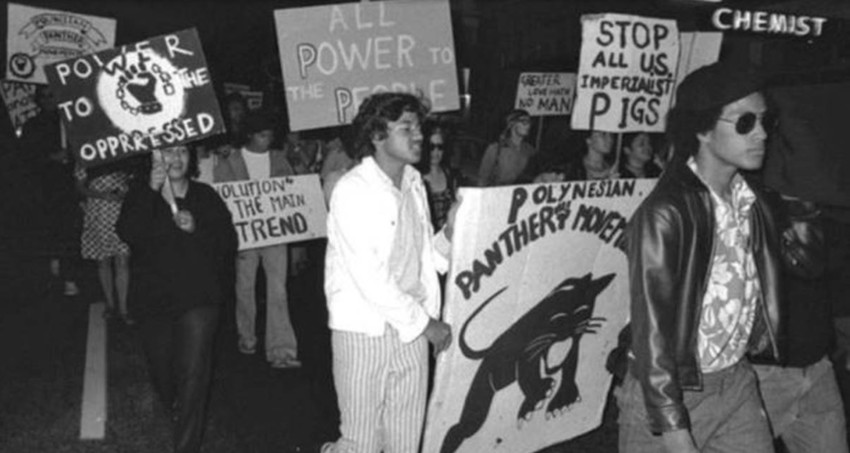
639 159
703 252
181 236
255 161
381 282
505 160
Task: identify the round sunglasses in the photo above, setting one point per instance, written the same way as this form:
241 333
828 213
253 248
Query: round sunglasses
747 122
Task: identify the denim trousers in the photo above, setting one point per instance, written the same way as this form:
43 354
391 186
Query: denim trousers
726 416
804 407
280 336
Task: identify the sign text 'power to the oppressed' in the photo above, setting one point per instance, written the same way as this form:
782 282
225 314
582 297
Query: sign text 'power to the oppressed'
175 130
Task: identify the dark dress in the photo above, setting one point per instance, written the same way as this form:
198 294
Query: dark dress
173 271
440 202
176 287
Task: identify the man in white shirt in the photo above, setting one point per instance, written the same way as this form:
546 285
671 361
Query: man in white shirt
381 282
255 161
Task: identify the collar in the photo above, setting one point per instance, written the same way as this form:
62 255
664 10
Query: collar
740 190
408 178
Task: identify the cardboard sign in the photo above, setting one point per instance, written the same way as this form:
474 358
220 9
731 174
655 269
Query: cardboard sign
254 99
537 295
626 73
135 98
38 37
545 93
20 102
333 57
276 210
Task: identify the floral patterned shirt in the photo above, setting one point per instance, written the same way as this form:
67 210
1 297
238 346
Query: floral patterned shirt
731 299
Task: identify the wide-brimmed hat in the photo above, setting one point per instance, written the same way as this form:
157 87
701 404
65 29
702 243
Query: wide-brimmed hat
716 85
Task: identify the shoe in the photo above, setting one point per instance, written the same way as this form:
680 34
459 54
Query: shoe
108 313
128 321
286 362
54 267
71 289
246 349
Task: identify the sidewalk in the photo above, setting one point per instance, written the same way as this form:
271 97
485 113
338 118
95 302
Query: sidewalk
253 408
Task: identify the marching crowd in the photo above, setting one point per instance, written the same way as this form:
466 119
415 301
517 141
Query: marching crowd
732 341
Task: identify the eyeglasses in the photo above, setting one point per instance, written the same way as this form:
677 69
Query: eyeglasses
437 146
747 122
408 128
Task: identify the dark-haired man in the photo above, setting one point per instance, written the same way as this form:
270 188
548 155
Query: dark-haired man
381 282
256 161
704 275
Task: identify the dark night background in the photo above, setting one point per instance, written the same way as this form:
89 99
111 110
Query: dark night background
496 39
43 335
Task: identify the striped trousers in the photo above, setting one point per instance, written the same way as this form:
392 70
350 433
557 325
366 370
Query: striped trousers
381 384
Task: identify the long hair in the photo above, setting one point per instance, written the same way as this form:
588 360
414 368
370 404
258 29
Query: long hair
432 126
374 115
510 119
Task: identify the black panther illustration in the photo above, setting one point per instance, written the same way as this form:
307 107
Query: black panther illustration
518 353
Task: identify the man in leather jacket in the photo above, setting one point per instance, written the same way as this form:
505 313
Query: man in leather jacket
704 275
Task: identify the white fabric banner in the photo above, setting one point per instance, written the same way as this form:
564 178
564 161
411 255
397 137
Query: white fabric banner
275 210
536 297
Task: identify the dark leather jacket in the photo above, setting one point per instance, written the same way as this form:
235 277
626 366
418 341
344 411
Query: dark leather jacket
669 247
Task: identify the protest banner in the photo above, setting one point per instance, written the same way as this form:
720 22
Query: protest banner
275 210
130 100
545 93
38 37
626 73
333 57
19 99
536 297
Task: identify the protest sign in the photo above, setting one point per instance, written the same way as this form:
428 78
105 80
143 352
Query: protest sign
275 210
545 93
130 100
20 102
333 57
253 99
536 297
626 73
38 37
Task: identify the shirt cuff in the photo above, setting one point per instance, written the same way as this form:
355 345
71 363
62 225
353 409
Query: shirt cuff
413 331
